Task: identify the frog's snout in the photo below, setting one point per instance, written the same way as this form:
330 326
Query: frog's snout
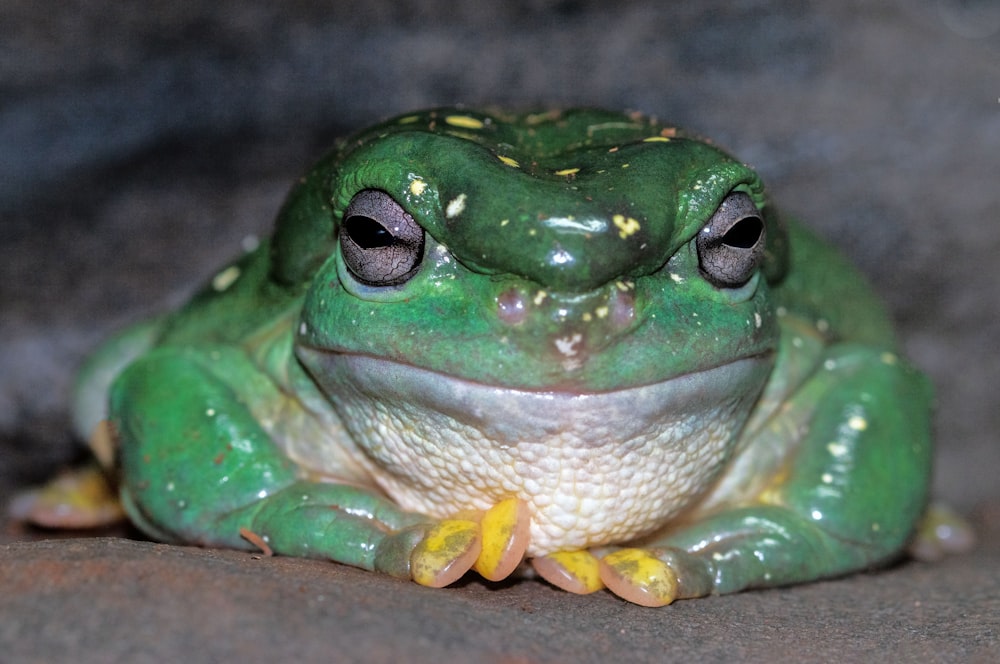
569 328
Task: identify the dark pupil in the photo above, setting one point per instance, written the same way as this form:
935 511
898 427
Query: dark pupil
744 233
368 233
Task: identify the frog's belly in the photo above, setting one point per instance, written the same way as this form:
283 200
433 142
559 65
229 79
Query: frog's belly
593 468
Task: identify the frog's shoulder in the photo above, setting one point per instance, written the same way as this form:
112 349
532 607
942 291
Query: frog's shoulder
237 301
822 286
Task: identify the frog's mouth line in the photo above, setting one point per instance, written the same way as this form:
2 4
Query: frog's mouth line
486 407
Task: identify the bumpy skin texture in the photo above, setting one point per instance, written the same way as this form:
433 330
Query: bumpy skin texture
581 338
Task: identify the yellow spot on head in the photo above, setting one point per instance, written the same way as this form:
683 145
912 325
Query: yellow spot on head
509 161
417 187
409 119
827 478
889 358
858 423
656 139
455 206
226 278
504 222
539 297
602 312
626 225
464 121
568 171
587 317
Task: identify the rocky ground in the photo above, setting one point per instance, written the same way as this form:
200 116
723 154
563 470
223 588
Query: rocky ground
140 145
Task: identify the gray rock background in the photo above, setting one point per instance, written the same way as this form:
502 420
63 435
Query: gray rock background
141 142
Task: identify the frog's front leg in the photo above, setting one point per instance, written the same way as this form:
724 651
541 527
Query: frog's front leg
847 496
198 467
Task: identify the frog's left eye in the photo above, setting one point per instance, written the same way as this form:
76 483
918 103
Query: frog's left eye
731 245
381 243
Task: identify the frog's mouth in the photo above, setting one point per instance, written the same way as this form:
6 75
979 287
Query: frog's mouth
510 414
593 468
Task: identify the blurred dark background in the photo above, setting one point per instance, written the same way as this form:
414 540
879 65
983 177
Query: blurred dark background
141 142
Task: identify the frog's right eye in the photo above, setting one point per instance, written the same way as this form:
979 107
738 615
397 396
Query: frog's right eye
380 242
731 245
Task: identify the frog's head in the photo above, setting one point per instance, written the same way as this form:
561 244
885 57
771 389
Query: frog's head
576 251
582 285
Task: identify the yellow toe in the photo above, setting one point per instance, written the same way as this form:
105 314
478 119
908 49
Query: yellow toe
504 531
574 571
80 498
446 553
638 576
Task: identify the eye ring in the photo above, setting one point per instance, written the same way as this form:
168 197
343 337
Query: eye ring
380 242
731 245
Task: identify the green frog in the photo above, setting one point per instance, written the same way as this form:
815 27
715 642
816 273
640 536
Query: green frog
579 344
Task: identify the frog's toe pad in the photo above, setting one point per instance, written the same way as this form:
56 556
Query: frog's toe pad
639 577
941 532
574 571
80 498
447 552
505 533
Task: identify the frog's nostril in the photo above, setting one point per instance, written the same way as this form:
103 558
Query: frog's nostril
621 305
511 307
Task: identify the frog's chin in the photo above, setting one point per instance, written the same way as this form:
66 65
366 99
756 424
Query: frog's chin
593 468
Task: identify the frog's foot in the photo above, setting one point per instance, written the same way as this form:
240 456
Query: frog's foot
635 575
941 533
75 499
492 543
648 577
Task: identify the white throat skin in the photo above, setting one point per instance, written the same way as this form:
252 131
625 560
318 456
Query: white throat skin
593 468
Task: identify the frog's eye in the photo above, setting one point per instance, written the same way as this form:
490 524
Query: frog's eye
731 244
380 242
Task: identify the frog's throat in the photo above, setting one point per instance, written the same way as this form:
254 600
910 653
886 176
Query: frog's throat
593 468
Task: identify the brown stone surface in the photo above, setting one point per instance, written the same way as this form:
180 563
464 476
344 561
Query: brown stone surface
111 599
